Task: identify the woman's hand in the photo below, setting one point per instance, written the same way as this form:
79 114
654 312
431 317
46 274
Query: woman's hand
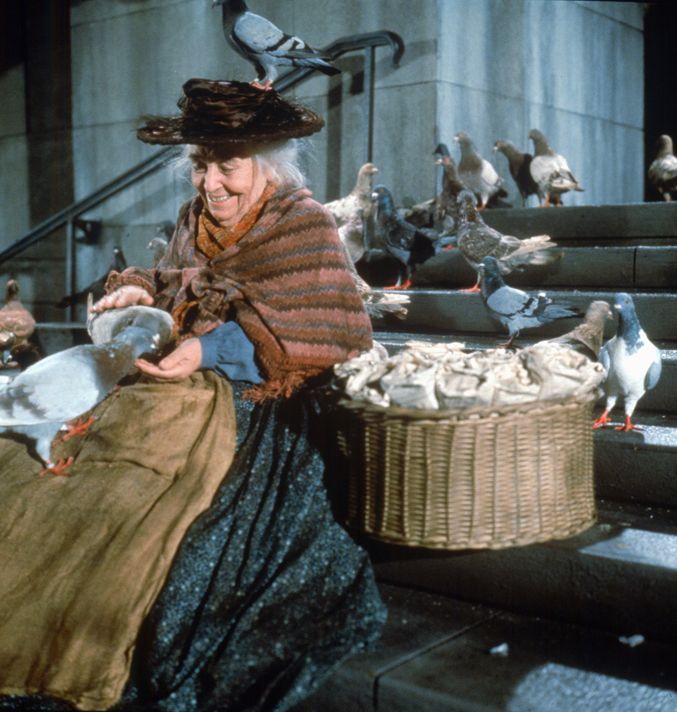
126 296
179 364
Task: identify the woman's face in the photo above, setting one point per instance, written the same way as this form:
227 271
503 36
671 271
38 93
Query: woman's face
229 185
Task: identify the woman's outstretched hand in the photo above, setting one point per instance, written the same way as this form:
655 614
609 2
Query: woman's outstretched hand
179 364
126 296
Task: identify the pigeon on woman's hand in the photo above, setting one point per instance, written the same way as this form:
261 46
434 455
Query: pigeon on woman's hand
265 45
409 245
476 173
550 172
65 385
519 165
587 338
513 308
476 240
632 362
663 169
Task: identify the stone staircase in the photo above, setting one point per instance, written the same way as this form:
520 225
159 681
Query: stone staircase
564 607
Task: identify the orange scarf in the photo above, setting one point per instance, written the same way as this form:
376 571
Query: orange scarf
213 238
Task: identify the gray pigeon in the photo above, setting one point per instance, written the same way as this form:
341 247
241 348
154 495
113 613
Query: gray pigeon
63 386
411 246
265 45
550 171
519 165
663 169
632 363
477 240
164 232
96 288
476 173
516 309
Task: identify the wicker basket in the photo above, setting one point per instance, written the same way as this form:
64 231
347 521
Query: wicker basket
468 479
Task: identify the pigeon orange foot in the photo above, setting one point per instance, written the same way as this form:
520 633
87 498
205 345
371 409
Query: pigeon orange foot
602 421
59 468
627 426
405 285
78 427
266 86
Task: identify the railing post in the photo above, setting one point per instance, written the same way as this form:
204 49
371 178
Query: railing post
71 265
369 82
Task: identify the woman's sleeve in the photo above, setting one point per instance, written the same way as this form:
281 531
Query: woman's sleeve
229 352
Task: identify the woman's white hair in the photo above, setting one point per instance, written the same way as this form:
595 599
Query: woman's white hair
278 161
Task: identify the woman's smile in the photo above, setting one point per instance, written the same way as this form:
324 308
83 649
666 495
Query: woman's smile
229 185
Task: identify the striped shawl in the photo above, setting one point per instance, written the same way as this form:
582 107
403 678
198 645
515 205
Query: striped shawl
285 282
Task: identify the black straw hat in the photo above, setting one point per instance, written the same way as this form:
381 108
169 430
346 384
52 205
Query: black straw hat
215 112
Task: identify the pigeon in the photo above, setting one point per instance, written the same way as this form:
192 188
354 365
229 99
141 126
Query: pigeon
96 288
587 338
513 308
663 169
377 304
409 245
65 385
439 212
476 240
355 210
265 45
476 173
550 172
14 317
519 164
158 244
632 362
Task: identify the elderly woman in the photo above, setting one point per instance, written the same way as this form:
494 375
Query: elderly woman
266 593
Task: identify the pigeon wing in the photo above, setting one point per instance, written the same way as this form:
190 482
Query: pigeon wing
259 34
605 357
508 301
654 372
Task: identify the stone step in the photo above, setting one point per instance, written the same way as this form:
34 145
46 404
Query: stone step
435 654
621 574
443 311
645 223
662 399
617 268
638 466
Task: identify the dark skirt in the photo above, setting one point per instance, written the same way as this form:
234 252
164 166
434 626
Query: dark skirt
267 594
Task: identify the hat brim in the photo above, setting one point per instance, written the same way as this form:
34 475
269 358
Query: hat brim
220 112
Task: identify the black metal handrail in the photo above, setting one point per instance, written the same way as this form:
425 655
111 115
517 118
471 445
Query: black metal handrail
69 215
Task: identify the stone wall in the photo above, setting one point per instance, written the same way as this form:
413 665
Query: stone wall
493 68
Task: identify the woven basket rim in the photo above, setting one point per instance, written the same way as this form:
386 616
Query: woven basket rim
459 414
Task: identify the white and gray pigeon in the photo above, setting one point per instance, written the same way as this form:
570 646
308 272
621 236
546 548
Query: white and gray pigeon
476 173
663 169
265 45
65 385
632 363
550 171
353 212
514 308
